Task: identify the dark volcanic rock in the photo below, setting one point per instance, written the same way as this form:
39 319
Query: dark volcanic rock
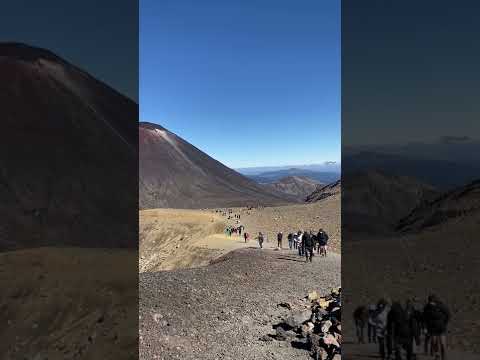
67 155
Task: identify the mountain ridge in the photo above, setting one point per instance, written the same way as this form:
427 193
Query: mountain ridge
176 174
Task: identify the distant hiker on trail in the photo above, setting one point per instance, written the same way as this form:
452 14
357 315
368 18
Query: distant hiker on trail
260 240
295 241
322 242
308 245
299 243
372 336
290 240
279 239
436 316
360 316
381 315
246 236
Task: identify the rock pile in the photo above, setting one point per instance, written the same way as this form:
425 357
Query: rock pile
315 328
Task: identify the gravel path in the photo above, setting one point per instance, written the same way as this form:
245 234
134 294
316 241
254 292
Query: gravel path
221 311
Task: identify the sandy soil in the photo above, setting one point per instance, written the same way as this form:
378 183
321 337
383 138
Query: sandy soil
177 238
68 303
270 220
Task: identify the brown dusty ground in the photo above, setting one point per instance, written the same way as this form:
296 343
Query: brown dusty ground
444 262
177 238
68 303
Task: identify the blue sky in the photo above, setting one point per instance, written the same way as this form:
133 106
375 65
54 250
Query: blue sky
251 83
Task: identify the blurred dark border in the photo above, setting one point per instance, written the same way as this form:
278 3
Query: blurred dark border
410 164
69 180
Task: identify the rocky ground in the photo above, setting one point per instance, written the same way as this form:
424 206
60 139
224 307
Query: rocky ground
68 303
227 309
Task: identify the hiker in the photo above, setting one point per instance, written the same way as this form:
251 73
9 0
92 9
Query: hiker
372 337
260 240
380 318
240 230
436 316
308 245
414 324
299 243
246 236
322 240
295 241
279 239
400 331
290 240
360 315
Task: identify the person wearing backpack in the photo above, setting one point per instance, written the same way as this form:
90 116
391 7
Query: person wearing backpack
308 245
436 317
322 239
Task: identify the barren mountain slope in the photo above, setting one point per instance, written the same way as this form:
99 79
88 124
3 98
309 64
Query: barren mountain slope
175 174
454 206
322 192
298 186
380 200
67 155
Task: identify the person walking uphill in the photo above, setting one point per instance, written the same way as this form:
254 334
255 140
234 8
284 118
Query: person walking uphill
322 240
260 240
360 316
308 245
279 239
380 318
290 240
436 316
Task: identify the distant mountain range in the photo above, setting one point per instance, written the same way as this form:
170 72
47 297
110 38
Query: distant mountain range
328 166
297 186
443 172
175 174
273 176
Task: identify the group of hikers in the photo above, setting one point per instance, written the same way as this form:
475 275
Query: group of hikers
306 242
397 328
229 230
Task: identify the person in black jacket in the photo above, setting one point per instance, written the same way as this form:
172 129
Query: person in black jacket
436 316
290 240
308 244
322 241
401 330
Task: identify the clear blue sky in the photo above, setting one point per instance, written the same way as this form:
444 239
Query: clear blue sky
250 82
